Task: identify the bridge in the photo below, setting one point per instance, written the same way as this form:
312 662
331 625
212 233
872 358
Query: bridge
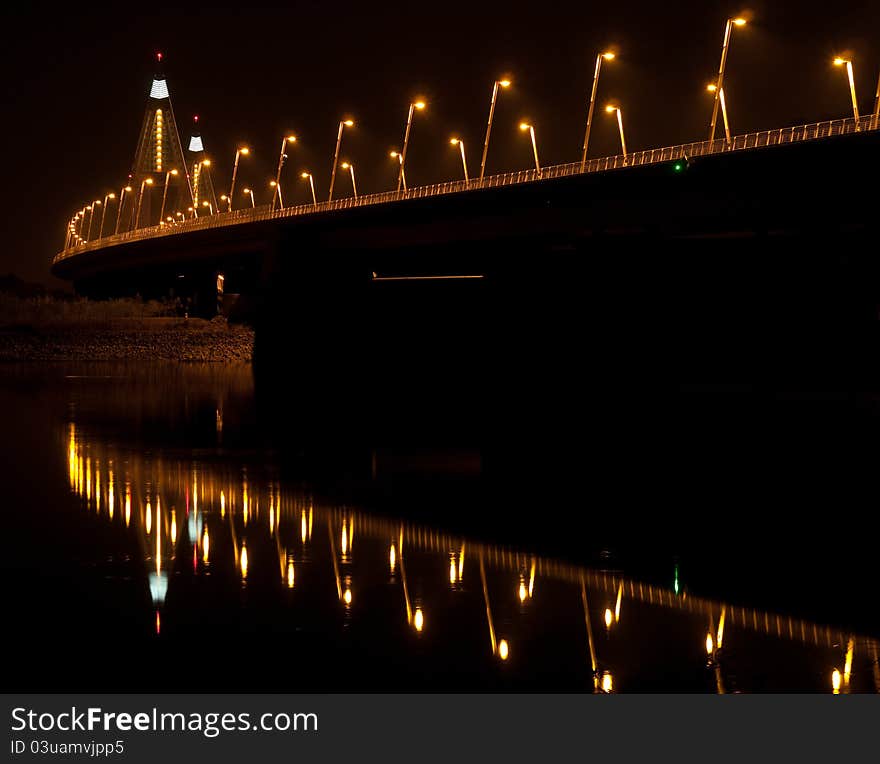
677 155
749 253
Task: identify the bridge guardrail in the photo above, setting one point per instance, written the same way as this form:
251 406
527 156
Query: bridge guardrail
793 134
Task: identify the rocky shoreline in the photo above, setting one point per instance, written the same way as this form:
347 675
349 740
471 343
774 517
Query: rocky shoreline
149 339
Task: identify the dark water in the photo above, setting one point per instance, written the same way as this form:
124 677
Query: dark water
167 527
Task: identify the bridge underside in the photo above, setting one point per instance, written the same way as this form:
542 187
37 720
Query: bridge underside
750 265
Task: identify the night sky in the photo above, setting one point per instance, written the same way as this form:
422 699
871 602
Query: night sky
76 84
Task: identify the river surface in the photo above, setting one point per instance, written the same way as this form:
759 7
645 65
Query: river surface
167 526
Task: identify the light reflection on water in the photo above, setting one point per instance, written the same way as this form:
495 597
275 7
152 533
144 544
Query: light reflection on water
232 525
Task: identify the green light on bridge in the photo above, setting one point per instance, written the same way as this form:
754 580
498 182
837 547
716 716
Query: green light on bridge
678 166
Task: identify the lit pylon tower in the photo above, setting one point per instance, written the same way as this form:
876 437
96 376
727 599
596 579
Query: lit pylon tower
200 173
159 152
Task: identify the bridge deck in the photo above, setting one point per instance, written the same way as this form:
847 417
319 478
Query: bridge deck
794 134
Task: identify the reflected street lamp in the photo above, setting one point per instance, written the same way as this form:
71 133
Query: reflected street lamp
711 88
342 124
412 107
281 157
243 150
525 126
852 85
611 109
719 83
402 173
460 143
498 83
350 167
122 193
607 56
305 175
137 217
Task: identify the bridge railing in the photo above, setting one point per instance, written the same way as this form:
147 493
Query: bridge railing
793 134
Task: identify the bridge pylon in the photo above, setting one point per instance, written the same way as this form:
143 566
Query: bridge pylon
159 152
200 169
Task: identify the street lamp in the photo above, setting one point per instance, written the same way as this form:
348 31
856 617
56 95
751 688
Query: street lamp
350 167
165 192
611 109
728 28
402 174
498 83
460 143
342 123
275 192
412 107
308 176
87 208
122 193
210 206
107 198
711 88
852 85
194 210
525 126
250 192
877 103
607 56
243 150
224 198
281 157
182 216
137 217
92 206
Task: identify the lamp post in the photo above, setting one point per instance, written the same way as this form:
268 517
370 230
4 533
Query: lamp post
182 216
276 189
460 143
607 56
402 174
250 192
107 198
412 107
137 217
611 109
728 29
92 206
308 176
82 228
245 151
122 193
531 129
852 85
877 104
711 89
165 192
281 157
194 210
342 123
350 167
210 206
498 83
224 198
